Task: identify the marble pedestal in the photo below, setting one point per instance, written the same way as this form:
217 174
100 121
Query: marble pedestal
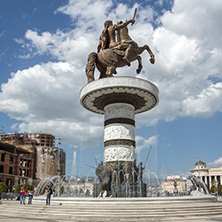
119 99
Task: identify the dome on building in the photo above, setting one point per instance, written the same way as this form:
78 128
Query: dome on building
200 165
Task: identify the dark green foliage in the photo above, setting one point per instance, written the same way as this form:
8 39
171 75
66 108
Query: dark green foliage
17 188
213 189
27 187
3 187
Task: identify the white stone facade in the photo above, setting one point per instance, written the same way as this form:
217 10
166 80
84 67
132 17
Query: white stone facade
121 153
210 176
119 99
119 110
119 131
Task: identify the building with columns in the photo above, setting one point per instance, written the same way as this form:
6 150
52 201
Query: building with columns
210 176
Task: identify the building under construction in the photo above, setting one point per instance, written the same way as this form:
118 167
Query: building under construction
29 157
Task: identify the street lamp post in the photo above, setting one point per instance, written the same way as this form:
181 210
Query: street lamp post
59 169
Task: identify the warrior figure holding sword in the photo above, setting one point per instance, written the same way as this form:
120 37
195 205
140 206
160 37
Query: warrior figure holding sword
108 37
118 50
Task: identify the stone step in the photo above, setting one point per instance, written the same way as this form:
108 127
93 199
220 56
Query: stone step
113 215
123 210
113 205
150 200
86 211
118 208
62 211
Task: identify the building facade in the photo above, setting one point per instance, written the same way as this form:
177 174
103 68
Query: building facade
174 184
210 176
50 160
28 158
16 166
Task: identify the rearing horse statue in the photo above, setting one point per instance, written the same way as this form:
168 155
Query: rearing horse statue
115 54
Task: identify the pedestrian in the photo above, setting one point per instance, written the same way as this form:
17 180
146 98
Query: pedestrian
30 195
22 196
48 195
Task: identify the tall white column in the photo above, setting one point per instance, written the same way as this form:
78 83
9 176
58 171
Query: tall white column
205 180
119 132
210 182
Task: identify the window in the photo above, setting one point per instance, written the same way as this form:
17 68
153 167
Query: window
3 157
10 170
1 169
8 182
24 163
23 172
11 159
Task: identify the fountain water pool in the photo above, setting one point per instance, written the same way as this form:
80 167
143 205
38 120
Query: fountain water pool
66 186
72 186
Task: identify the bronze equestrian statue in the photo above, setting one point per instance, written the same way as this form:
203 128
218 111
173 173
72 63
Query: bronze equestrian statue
115 53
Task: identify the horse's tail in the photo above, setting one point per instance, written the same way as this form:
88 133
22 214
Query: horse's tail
90 67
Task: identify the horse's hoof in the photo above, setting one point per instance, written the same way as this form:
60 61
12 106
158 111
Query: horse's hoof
138 71
152 60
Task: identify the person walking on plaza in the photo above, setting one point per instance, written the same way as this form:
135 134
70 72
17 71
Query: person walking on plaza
30 195
48 195
22 196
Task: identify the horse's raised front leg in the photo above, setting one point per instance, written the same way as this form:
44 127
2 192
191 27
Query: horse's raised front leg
139 64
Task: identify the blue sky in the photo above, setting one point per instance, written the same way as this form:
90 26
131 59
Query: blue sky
43 53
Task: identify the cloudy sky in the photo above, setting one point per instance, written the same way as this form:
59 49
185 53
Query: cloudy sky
43 54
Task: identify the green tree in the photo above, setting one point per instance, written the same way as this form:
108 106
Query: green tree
17 188
220 190
3 187
213 189
27 187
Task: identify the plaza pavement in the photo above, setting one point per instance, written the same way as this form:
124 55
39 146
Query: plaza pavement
111 209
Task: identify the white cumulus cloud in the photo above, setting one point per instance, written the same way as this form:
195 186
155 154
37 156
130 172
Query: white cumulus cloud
188 50
215 164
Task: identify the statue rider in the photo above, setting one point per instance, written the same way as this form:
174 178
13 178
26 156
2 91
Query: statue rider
108 37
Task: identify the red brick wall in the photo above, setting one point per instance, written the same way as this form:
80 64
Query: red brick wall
15 167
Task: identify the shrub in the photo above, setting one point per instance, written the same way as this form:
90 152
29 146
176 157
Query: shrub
213 189
17 188
3 187
220 190
27 187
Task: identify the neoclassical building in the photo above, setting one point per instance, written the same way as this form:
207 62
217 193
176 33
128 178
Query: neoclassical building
209 176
